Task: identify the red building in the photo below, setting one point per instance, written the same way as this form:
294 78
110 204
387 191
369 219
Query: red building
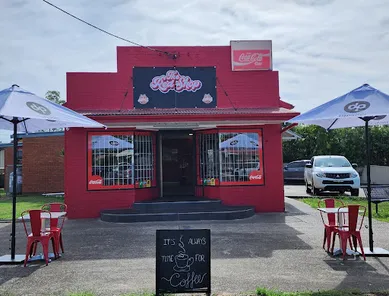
182 121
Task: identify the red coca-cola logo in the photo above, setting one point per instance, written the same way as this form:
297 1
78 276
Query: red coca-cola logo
251 59
255 177
174 81
95 181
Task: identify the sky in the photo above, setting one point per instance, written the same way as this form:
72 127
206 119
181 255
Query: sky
321 48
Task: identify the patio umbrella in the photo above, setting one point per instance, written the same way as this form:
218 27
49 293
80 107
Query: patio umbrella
23 111
360 107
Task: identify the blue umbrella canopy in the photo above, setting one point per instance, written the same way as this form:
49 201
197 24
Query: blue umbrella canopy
347 110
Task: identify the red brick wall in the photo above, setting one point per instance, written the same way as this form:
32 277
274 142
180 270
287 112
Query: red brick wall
105 91
43 165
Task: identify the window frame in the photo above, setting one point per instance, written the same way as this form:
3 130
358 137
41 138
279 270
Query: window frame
89 162
220 131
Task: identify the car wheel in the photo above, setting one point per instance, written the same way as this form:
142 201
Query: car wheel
315 191
354 192
307 189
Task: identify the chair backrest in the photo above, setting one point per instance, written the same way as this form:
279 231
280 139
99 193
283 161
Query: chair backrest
329 203
35 225
355 217
55 207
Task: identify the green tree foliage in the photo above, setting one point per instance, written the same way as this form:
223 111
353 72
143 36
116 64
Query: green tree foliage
54 96
349 142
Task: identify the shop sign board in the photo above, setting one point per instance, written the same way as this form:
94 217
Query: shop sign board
251 55
174 87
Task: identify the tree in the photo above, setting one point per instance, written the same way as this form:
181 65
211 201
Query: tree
54 96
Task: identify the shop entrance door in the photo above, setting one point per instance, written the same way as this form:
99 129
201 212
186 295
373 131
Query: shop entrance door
177 163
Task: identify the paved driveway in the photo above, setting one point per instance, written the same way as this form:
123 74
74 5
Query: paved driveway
274 250
298 190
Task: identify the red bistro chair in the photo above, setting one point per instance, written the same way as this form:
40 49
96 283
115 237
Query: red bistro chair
37 235
56 224
329 220
351 229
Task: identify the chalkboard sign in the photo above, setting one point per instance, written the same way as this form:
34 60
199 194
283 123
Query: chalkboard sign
183 261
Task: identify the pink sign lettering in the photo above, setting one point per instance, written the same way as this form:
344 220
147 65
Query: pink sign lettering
174 81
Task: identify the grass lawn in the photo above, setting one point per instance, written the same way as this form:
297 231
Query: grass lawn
383 208
23 202
266 292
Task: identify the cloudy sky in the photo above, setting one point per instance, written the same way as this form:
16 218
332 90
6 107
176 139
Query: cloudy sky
322 48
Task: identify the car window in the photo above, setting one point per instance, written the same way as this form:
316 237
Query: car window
332 162
297 164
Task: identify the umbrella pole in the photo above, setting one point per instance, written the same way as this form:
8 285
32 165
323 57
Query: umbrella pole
368 150
14 182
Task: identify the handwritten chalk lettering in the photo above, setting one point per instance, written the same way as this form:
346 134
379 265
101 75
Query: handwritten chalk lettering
199 258
167 258
197 241
191 279
169 242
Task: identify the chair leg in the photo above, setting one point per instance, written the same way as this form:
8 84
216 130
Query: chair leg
328 239
324 238
28 251
333 243
360 245
61 242
45 247
343 244
55 249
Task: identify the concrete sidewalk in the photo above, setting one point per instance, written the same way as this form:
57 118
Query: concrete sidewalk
277 250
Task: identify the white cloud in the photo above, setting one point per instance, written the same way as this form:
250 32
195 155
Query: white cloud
322 48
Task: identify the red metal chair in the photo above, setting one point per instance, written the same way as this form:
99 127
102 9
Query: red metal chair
330 221
56 224
37 235
351 229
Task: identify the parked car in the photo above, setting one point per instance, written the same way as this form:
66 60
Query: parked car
295 170
331 173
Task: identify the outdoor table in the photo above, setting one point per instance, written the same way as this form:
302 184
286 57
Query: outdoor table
54 215
343 210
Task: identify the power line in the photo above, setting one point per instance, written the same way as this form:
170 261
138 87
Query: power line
173 55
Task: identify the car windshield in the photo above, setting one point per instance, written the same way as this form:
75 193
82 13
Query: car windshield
332 162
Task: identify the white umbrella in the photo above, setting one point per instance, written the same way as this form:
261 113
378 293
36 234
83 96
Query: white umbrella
23 111
241 141
110 142
360 107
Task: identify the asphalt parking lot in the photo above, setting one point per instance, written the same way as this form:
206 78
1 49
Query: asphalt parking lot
297 189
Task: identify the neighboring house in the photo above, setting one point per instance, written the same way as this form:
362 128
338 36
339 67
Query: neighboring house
41 161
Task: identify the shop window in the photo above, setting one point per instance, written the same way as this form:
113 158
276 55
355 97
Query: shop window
241 158
144 160
209 158
111 163
121 160
230 158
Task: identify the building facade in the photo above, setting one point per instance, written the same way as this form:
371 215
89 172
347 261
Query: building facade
181 121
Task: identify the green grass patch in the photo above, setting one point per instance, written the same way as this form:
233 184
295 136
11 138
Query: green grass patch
24 202
266 292
383 208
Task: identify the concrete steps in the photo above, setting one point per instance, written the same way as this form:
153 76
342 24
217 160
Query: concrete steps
177 210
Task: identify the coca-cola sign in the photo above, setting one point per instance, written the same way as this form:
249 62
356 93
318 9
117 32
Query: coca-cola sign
251 55
174 81
174 87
